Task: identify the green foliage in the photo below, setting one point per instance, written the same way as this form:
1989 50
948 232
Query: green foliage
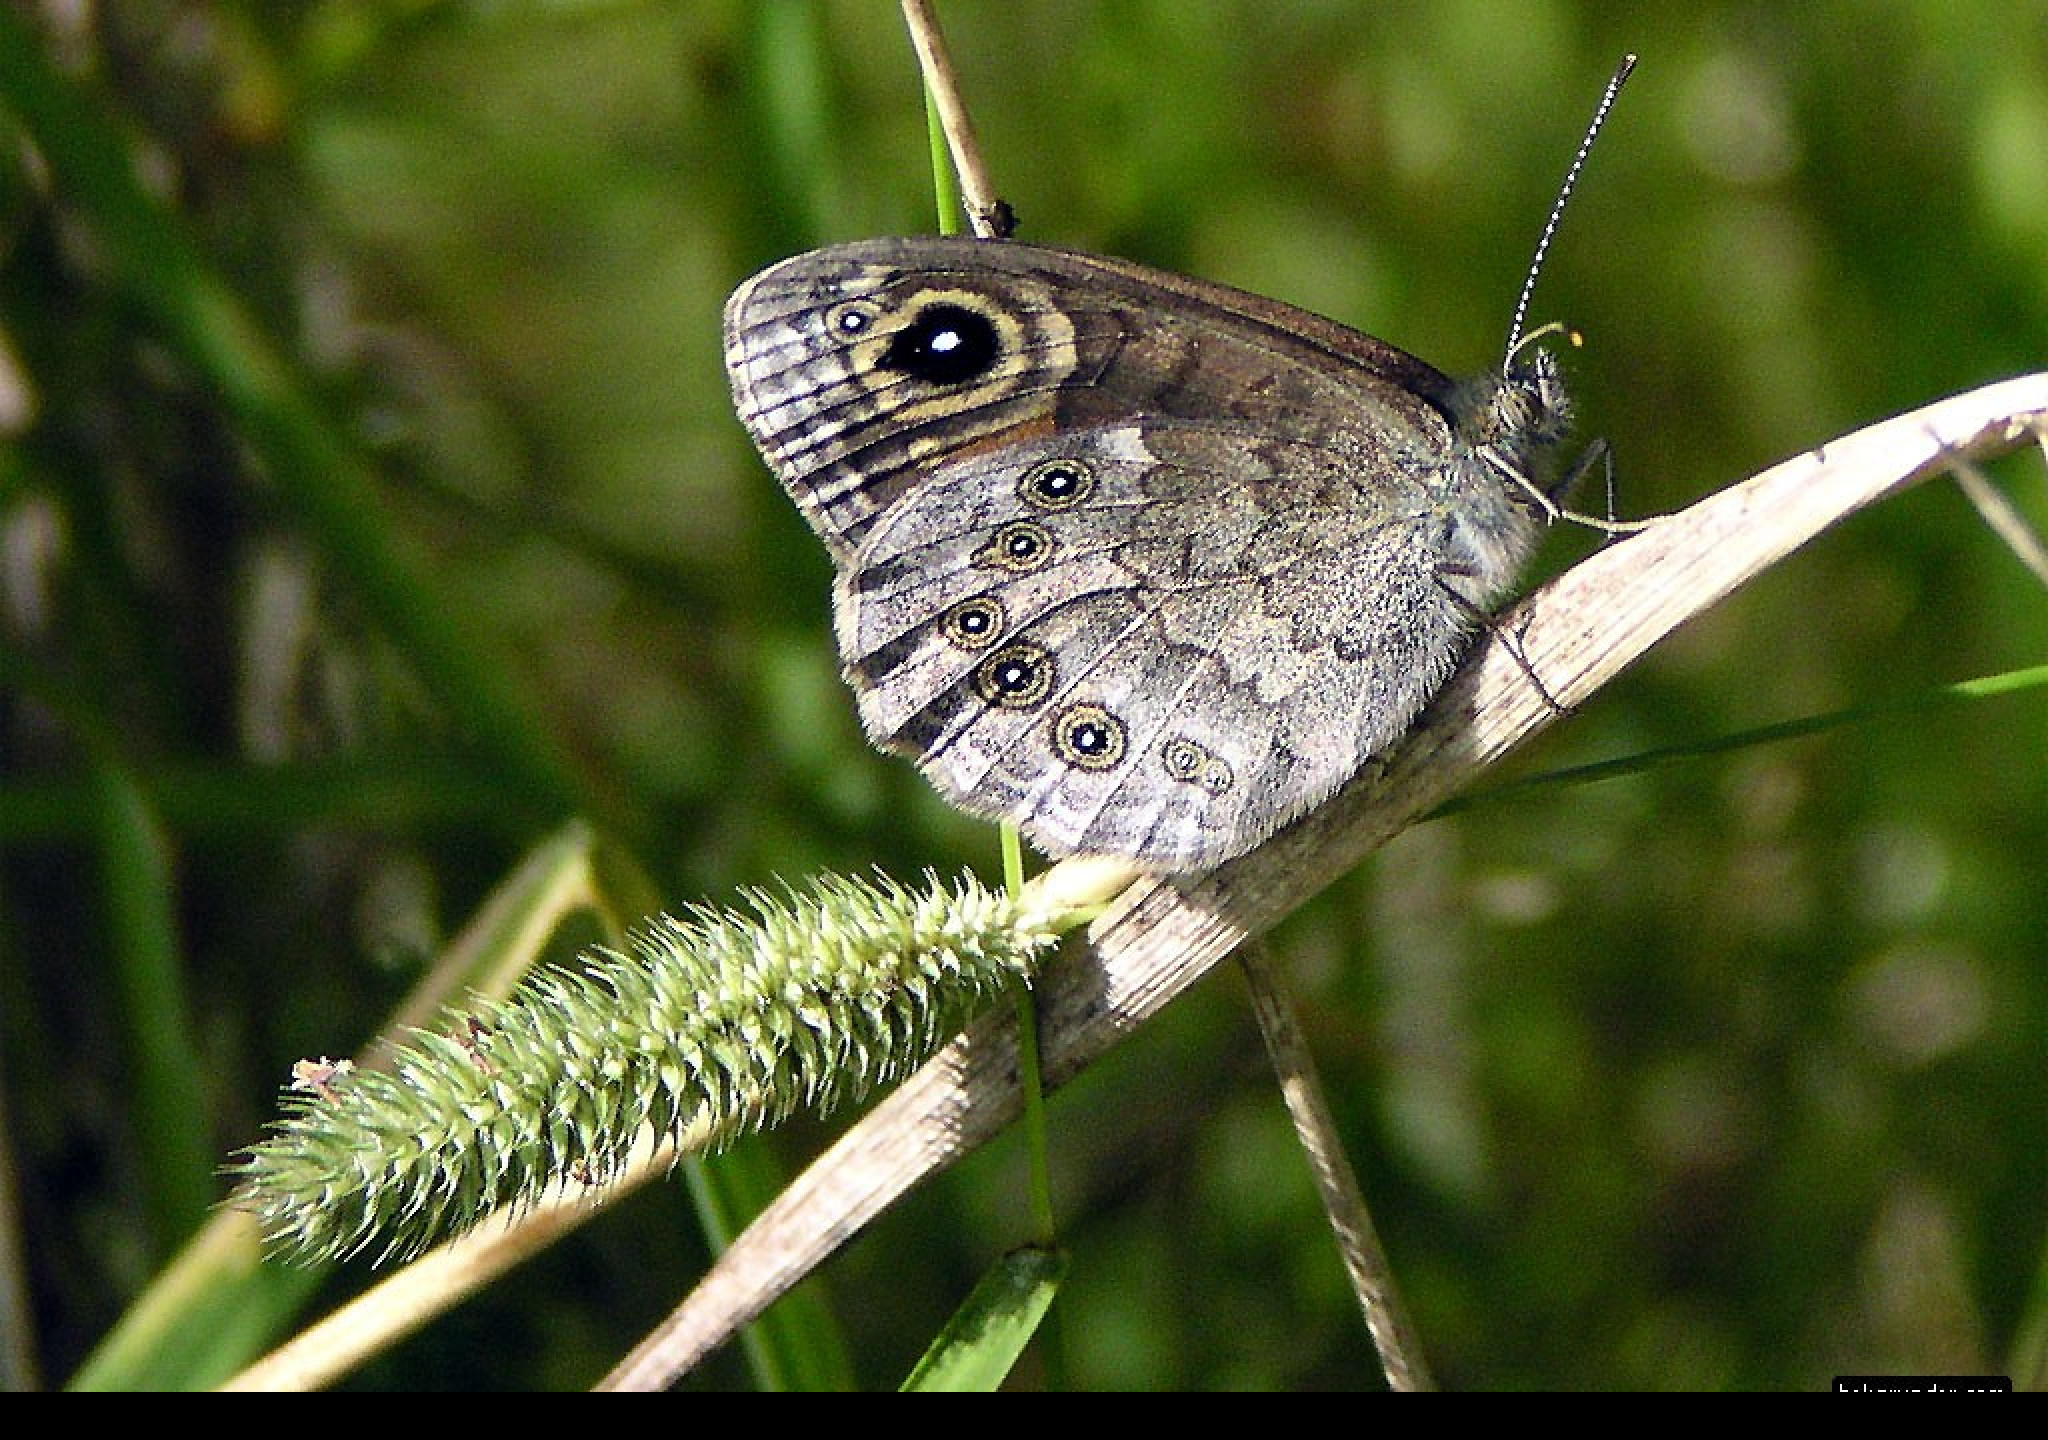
981 1343
370 501
718 1023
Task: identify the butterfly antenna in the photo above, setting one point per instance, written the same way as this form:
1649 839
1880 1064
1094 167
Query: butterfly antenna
1571 180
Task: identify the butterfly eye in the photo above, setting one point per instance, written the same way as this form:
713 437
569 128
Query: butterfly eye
1056 485
1088 737
1016 677
973 623
1019 547
944 345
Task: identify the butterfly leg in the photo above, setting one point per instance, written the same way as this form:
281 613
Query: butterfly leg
1510 641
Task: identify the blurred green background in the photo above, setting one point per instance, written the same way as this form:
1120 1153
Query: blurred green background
1733 1073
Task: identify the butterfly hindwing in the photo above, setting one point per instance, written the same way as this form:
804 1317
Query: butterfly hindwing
1161 640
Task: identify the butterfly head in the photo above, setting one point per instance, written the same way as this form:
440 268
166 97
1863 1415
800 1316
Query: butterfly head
1516 422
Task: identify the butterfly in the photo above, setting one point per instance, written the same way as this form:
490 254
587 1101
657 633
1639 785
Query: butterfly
1145 564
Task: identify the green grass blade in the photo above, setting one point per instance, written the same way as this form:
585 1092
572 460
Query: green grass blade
981 1343
151 257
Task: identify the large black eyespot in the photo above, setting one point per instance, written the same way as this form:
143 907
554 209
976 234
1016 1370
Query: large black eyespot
1088 737
944 345
1056 485
1016 677
973 623
1018 547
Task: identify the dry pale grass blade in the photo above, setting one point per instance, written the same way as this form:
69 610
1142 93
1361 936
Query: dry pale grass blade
985 209
1315 1126
2003 517
1160 936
